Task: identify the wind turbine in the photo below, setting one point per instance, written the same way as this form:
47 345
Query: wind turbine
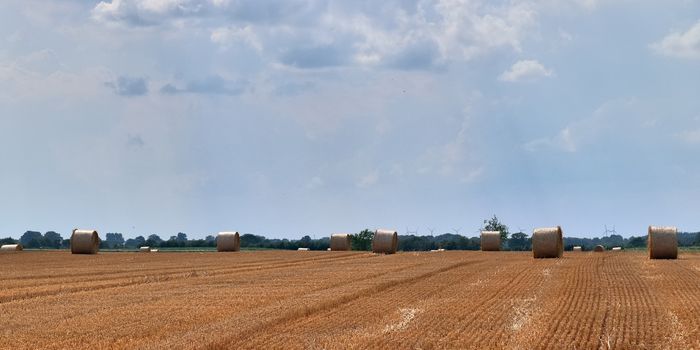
411 232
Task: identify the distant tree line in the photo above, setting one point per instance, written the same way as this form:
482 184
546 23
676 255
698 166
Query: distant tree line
34 239
362 240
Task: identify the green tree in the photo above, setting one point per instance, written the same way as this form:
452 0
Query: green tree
519 241
494 224
32 239
251 240
362 240
7 240
697 239
52 240
305 242
154 240
114 240
637 242
135 242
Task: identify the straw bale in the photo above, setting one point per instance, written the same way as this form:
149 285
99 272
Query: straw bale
84 242
599 248
11 247
341 241
490 240
145 249
228 242
385 241
662 242
547 242
578 248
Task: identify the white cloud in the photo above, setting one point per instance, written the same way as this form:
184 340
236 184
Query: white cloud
689 136
472 175
565 36
588 4
156 12
613 121
368 179
145 12
456 158
421 35
680 44
226 36
448 30
564 141
314 183
525 70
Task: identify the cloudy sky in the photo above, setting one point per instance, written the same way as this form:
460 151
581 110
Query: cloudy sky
298 117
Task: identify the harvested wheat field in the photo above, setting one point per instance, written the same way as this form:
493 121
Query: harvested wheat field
340 300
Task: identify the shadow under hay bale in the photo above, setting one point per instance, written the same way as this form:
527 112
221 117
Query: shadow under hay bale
547 242
11 248
84 242
228 242
340 242
385 242
662 242
490 241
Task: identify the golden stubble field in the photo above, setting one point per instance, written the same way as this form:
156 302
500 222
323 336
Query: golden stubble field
341 300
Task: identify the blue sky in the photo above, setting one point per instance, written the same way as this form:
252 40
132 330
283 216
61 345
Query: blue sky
285 118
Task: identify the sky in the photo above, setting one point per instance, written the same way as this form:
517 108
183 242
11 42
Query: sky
287 118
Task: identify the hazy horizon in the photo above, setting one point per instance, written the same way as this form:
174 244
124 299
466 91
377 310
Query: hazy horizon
322 116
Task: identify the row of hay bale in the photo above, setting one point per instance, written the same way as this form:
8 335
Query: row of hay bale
547 242
385 241
81 242
662 243
88 242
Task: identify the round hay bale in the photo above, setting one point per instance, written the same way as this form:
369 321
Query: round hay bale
616 249
577 248
228 242
385 242
662 242
490 240
599 248
145 250
547 242
341 241
11 248
84 242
